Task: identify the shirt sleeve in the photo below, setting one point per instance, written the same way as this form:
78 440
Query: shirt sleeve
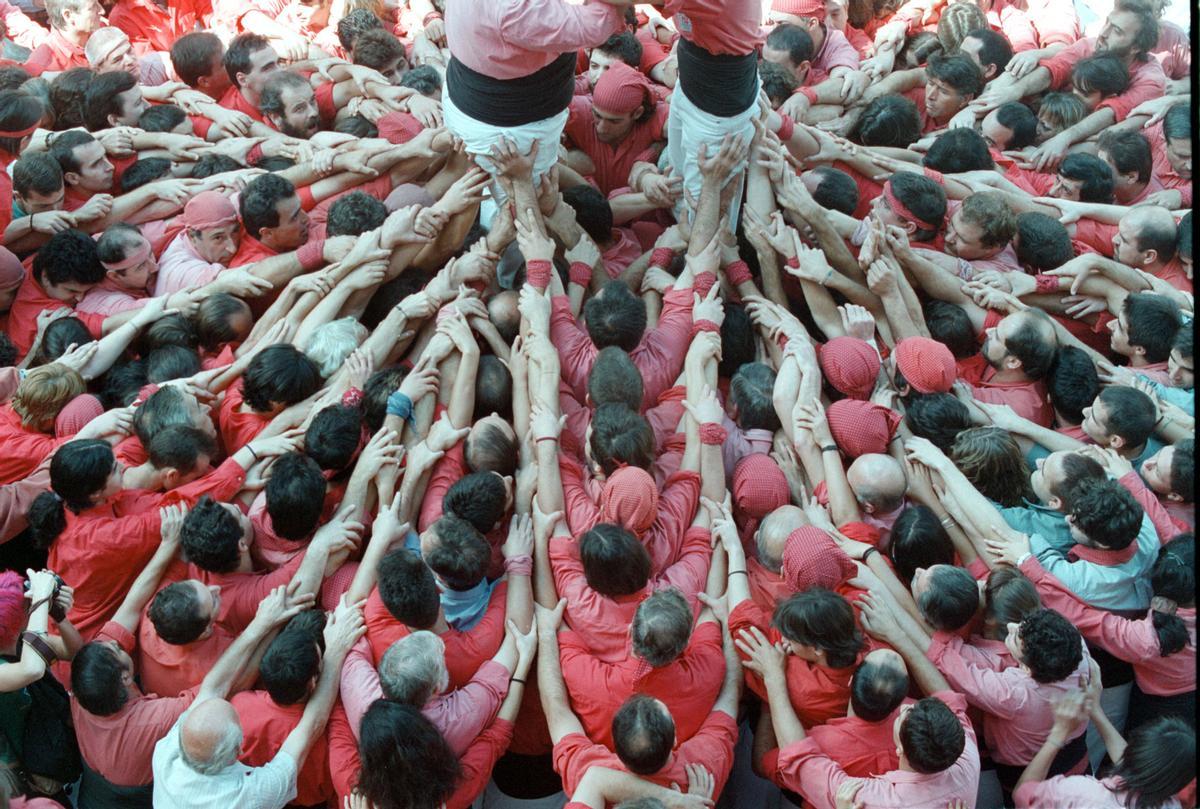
449 469
463 713
359 684
803 767
556 27
690 573
1061 63
581 511
1148 81
676 510
987 689
1163 524
478 762
575 349
660 355
240 601
275 781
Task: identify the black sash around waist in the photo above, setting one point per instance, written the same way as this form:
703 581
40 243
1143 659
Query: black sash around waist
512 102
720 84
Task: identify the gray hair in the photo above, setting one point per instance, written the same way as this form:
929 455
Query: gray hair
413 669
224 753
329 345
100 42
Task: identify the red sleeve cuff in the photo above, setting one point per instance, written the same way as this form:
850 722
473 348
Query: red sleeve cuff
1046 283
787 126
537 273
703 282
254 155
808 93
738 272
712 434
311 255
662 257
579 273
936 176
705 325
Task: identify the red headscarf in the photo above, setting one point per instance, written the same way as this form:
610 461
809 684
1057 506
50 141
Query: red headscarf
620 90
630 498
860 428
851 366
812 559
927 365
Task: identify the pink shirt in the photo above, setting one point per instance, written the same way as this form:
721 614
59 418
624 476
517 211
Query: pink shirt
805 768
1146 79
730 27
624 250
659 356
106 298
1020 710
602 622
508 39
1163 524
460 715
1134 641
1173 51
1055 22
1074 792
1162 166
182 268
836 51
739 443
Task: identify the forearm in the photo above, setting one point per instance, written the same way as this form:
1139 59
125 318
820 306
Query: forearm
230 665
1037 769
788 729
1093 124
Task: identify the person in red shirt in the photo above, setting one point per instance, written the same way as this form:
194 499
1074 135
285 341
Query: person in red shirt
278 377
71 23
643 729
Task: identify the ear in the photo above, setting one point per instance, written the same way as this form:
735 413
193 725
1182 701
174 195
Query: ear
867 507
1116 442
1151 257
910 228
1175 497
1012 363
989 72
71 177
112 120
1055 503
241 79
1139 351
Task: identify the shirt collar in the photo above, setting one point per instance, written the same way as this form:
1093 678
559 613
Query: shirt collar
1105 558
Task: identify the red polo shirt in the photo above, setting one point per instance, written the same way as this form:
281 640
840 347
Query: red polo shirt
237 429
614 161
56 54
688 686
148 24
30 302
859 747
21 449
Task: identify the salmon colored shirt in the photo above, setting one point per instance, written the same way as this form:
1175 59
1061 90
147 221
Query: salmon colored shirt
55 54
1146 79
265 726
22 450
30 302
238 428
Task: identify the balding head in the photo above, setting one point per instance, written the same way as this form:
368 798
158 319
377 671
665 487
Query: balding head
773 533
878 482
211 736
1147 228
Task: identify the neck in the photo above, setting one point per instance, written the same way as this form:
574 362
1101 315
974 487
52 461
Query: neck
1010 375
1129 453
250 96
1138 361
440 626
78 38
142 477
1129 193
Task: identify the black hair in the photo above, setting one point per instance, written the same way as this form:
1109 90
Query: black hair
408 589
1101 73
279 373
918 539
751 390
13 76
1031 345
69 256
171 362
777 82
162 408
793 39
950 325
479 498
1073 383
333 436
406 761
824 619
356 22
37 172
461 555
737 341
940 417
643 734
192 55
295 495
162 118
890 120
376 47
620 436
625 46
258 205
493 388
357 126
1131 414
1042 242
210 537
1105 512
66 98
96 680
615 563
1177 123
995 49
921 195
78 471
1095 176
212 321
1173 576
293 659
959 149
354 214
59 336
951 599
491 449
876 691
1153 321
836 190
1159 761
176 615
932 737
1020 120
1183 469
102 98
1129 151
957 71
180 447
209 164
122 384
614 378
592 211
237 55
1051 646
424 79
380 385
144 170
18 111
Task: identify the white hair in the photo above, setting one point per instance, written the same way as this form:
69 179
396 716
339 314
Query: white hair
329 345
413 669
225 752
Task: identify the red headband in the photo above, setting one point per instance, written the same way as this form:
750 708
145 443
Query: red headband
900 209
21 133
134 259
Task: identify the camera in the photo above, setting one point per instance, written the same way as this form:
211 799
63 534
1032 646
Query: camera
56 612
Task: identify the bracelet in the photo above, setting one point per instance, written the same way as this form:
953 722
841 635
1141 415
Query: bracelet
867 553
948 522
829 448
433 15
712 434
516 680
735 572
252 452
546 438
400 405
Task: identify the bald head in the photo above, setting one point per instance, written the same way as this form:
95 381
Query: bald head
773 533
102 42
878 482
1151 227
503 312
211 736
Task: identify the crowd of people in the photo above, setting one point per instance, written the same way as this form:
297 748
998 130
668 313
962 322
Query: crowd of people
409 404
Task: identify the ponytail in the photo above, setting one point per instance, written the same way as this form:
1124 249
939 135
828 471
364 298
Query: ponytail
79 471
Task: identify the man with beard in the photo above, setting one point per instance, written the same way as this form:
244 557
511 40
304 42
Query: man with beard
1129 33
290 105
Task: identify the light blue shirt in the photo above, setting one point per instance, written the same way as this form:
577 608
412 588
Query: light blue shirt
463 609
1182 398
1108 587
